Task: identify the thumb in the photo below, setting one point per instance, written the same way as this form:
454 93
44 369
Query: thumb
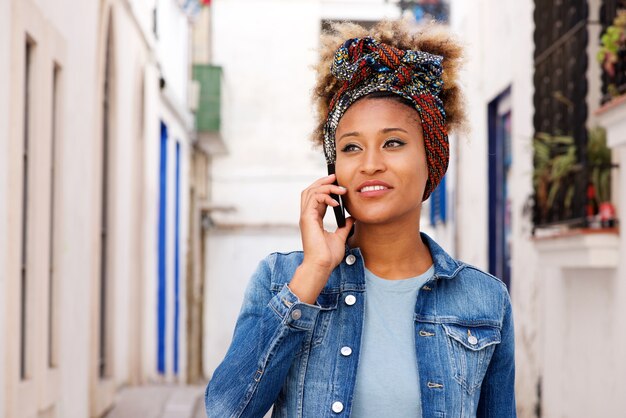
343 232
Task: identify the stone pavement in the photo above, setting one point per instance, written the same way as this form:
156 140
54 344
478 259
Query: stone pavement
159 401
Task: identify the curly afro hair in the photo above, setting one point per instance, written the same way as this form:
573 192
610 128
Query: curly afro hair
433 38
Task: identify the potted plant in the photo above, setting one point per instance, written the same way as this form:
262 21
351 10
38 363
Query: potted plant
555 163
600 165
613 50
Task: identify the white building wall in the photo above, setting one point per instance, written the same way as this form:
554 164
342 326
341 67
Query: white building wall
129 60
178 132
5 100
150 222
499 53
78 202
77 209
78 45
266 122
173 47
144 59
569 320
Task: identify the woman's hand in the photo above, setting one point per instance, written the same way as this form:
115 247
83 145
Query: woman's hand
323 250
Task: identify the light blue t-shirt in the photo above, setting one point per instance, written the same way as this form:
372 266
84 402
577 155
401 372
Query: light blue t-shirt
387 380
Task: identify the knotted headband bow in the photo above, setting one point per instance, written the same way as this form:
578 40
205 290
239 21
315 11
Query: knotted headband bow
365 65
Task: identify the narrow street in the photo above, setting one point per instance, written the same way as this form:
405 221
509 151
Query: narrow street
159 401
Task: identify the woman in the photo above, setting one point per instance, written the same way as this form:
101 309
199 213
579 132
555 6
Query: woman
374 319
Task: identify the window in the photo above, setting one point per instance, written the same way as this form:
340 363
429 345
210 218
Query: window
52 294
560 100
32 297
24 280
103 367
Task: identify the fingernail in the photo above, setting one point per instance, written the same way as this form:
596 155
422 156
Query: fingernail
341 187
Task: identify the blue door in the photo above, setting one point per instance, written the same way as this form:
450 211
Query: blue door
500 159
176 258
162 253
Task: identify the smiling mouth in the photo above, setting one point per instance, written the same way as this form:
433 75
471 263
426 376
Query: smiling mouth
372 188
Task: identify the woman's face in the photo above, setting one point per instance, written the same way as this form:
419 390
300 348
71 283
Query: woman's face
381 160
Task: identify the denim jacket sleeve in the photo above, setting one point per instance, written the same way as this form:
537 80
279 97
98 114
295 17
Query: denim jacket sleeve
268 333
497 395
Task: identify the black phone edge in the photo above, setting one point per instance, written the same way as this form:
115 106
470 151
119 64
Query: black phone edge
340 212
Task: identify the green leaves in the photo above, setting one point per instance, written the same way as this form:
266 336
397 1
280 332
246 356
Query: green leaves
555 160
611 41
599 156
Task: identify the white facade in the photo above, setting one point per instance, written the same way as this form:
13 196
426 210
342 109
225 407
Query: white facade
5 101
568 292
498 35
64 209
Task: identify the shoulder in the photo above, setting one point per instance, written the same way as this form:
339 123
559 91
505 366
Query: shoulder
479 295
280 266
478 283
284 260
473 275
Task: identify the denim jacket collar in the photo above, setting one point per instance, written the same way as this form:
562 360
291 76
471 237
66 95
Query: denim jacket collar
446 267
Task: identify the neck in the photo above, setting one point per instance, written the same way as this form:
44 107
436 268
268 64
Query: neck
392 251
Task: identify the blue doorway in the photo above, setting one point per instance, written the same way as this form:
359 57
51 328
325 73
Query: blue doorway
162 253
500 160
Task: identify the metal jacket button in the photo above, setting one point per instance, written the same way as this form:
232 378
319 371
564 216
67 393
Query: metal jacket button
337 407
296 314
350 300
472 340
346 351
350 259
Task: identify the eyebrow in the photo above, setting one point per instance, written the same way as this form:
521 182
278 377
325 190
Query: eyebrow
383 131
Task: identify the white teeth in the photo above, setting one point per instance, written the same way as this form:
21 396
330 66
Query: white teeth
372 188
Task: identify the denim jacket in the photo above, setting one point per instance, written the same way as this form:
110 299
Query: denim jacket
293 355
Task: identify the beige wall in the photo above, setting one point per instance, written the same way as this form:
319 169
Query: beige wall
5 70
72 388
499 53
48 30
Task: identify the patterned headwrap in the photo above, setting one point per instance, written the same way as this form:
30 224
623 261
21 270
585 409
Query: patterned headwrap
366 66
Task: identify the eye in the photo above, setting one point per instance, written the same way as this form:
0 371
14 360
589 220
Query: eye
350 148
393 143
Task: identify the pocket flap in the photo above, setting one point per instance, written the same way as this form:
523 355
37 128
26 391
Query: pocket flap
473 337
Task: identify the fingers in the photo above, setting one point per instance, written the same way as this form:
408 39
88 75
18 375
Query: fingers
322 186
343 232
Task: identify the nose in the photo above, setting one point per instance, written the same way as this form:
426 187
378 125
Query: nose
373 162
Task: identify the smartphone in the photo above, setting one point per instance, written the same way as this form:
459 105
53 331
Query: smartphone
340 211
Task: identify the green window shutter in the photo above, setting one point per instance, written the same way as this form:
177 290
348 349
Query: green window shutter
208 113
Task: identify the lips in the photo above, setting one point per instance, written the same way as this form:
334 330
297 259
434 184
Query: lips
373 185
373 188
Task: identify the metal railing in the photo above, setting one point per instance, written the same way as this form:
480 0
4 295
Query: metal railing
560 101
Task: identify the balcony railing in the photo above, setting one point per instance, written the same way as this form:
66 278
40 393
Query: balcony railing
560 102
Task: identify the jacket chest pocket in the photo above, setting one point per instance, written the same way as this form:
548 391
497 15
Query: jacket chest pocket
328 304
470 349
